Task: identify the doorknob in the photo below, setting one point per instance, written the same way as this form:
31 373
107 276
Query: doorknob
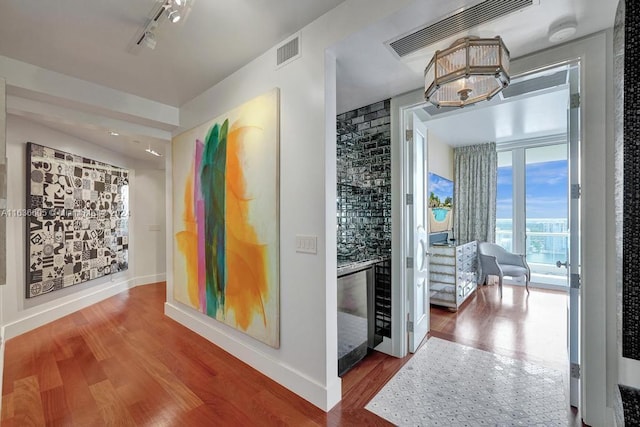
560 264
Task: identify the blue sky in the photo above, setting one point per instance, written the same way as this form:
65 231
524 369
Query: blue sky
440 186
546 190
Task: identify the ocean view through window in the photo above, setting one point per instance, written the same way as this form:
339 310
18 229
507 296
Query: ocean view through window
543 220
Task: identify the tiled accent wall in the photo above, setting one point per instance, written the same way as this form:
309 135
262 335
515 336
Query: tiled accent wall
631 404
631 194
618 78
364 182
626 51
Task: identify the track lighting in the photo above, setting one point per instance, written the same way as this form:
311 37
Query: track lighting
150 40
174 15
173 11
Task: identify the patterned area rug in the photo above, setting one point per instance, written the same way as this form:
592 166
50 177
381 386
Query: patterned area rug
448 384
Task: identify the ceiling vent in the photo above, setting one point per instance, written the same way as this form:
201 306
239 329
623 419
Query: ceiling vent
433 111
457 23
535 84
288 51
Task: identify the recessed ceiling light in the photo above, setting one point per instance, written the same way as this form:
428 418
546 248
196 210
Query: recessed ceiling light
178 2
153 152
562 31
113 133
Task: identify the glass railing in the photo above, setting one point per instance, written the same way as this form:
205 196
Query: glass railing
544 249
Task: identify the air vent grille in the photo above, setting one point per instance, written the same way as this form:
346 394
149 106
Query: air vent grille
535 84
457 23
288 51
433 111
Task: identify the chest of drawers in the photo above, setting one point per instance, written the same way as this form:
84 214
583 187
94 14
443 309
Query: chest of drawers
453 274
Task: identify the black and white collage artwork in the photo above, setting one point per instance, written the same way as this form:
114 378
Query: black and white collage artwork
77 219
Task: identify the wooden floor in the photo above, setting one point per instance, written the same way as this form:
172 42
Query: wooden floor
122 362
530 327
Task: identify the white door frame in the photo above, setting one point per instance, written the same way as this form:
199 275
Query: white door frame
598 373
399 292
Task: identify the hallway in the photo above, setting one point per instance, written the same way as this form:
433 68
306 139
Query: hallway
122 361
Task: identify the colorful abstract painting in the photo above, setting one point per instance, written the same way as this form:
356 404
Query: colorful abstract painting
225 218
77 214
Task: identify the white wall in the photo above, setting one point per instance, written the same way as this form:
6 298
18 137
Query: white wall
306 361
149 206
440 157
2 206
21 314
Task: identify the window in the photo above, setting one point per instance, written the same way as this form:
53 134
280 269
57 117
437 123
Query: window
532 207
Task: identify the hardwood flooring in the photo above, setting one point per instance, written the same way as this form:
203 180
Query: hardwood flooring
530 327
122 362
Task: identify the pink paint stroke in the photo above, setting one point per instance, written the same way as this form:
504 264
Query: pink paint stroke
199 213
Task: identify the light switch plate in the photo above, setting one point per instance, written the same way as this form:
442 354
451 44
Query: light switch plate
306 244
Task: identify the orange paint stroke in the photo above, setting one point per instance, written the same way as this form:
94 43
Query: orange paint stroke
187 241
247 280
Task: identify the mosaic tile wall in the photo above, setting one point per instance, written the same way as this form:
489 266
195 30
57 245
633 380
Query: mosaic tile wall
618 78
627 181
364 182
631 404
631 195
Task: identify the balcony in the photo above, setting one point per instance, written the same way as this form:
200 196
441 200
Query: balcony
543 249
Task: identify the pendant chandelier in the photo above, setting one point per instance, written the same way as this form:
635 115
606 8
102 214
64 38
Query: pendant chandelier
470 70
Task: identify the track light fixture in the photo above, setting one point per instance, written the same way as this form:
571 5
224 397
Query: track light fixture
174 15
150 40
173 10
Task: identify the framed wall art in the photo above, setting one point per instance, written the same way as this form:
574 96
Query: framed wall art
76 219
225 218
440 194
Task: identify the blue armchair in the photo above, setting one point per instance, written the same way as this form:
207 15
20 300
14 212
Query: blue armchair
497 261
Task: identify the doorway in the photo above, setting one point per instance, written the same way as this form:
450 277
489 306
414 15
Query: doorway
542 228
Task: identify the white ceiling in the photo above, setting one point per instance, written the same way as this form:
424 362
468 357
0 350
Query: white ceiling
368 71
88 39
524 117
130 146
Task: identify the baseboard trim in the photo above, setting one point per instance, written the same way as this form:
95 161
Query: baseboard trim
322 397
1 368
33 321
152 278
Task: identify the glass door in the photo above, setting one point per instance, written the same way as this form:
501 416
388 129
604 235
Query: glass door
504 206
532 208
546 212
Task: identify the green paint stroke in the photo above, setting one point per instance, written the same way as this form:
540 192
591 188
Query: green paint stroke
213 185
